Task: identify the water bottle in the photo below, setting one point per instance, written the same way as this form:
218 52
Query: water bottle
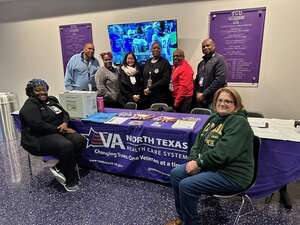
100 104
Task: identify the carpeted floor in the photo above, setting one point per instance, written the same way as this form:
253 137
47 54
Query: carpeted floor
107 199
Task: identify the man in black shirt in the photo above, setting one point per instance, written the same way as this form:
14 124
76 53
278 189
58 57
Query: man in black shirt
211 75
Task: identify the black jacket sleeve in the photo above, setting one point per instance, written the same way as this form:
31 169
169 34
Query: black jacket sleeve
219 80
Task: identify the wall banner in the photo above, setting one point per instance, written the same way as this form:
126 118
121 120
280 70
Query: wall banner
72 38
239 36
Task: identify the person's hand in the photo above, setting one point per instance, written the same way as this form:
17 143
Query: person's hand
192 167
147 91
200 97
136 98
61 128
70 131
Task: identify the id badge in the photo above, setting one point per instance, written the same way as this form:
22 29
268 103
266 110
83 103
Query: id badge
55 109
132 80
201 81
149 83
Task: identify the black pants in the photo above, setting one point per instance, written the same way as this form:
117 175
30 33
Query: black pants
67 148
185 105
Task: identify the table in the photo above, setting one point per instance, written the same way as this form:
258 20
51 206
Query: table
144 151
117 149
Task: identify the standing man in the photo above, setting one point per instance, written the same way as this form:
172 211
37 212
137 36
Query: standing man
182 82
211 75
81 69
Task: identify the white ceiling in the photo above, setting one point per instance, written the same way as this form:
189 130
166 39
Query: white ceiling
19 10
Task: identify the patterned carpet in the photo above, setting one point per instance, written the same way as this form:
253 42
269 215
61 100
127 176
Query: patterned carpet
107 199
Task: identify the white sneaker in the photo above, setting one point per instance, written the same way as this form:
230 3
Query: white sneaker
71 187
58 175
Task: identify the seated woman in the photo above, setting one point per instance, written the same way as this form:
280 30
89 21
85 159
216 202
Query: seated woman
130 81
107 82
220 161
45 131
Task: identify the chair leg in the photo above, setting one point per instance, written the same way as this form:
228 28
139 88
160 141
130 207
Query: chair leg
252 206
30 172
77 169
239 212
269 199
239 215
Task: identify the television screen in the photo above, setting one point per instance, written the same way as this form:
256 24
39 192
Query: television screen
138 38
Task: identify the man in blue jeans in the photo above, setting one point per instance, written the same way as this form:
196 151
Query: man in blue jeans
221 160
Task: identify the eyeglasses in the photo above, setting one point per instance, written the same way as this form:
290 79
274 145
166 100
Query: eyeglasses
40 88
225 101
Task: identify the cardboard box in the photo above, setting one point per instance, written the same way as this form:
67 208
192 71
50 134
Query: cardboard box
79 104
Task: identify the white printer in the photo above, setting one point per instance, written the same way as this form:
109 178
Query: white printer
79 104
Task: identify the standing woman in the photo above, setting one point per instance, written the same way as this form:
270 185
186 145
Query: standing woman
45 131
107 81
130 81
156 74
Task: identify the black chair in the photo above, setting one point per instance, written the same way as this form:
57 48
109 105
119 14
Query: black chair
160 107
255 114
202 111
243 194
130 105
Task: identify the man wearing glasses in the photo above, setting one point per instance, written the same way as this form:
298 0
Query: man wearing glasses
211 75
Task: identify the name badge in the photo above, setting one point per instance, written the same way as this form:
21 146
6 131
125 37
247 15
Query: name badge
201 81
149 82
55 109
132 80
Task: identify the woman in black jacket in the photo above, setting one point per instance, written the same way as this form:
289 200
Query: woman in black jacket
45 131
156 74
130 81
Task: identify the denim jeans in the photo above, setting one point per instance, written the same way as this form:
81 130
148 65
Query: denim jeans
188 188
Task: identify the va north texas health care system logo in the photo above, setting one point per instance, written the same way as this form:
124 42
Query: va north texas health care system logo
103 139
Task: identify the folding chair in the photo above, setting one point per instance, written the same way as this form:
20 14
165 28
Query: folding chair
130 105
202 111
243 194
160 107
45 159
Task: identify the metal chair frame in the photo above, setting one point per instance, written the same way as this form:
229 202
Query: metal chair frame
45 159
156 106
243 195
202 111
130 105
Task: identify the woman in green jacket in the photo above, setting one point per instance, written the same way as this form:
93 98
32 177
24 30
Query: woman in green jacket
220 161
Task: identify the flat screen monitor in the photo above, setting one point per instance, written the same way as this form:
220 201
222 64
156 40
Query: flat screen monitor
138 38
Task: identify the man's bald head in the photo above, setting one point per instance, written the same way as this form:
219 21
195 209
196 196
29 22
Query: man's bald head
178 56
208 46
88 50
